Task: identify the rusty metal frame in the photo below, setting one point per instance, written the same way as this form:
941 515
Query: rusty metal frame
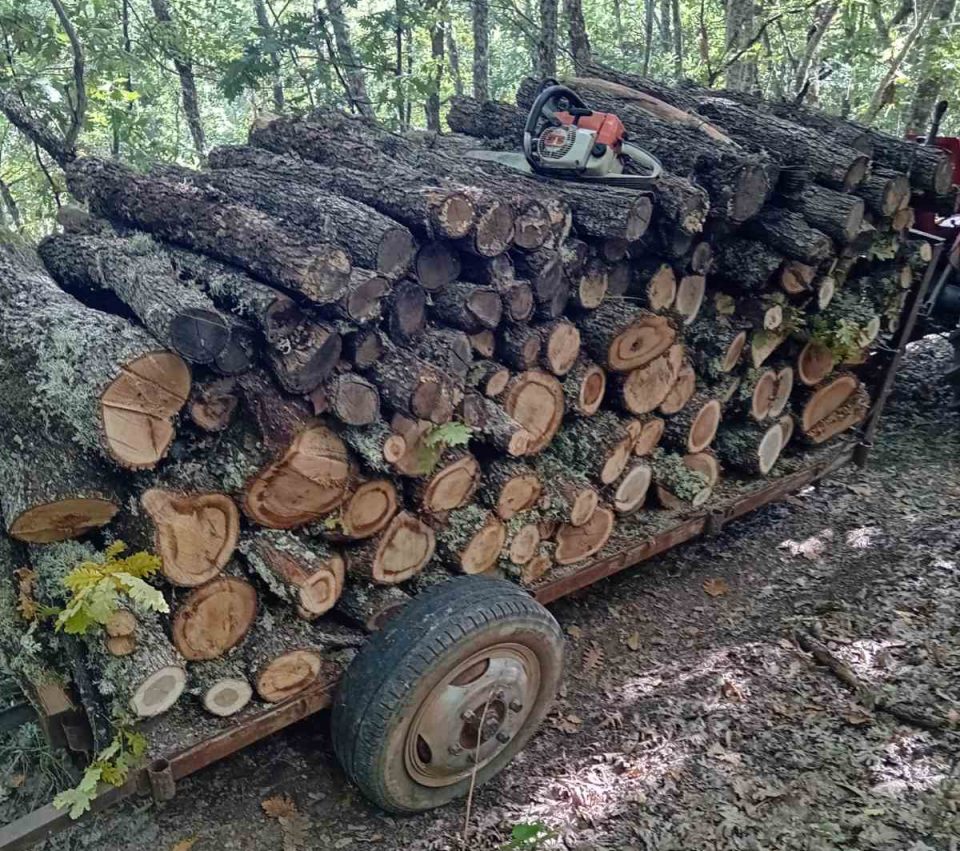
39 824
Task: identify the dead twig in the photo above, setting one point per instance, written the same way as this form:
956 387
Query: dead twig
868 696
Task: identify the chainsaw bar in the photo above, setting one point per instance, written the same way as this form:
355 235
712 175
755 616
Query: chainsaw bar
518 162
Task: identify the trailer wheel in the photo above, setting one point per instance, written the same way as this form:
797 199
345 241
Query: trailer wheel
456 682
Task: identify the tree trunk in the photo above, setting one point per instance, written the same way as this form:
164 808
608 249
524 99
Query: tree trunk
931 71
577 32
228 232
349 63
741 32
436 13
104 382
184 68
267 35
547 44
481 49
453 51
306 574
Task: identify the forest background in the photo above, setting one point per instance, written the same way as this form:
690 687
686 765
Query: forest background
146 80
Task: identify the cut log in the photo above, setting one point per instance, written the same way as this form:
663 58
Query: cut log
517 298
214 618
285 655
452 485
488 377
414 387
363 300
490 422
373 240
576 543
470 539
681 391
487 270
181 317
523 541
448 350
560 346
831 408
654 285
378 447
884 192
837 214
188 216
690 292
349 397
631 491
493 230
467 306
519 346
788 233
194 533
108 385
619 278
621 338
693 428
705 463
367 511
483 343
677 484
436 265
763 344
419 458
213 404
535 400
371 606
544 269
716 344
600 446
584 388
406 309
568 496
700 261
425 206
400 552
306 574
221 685
648 431
795 278
509 487
590 285
363 347
750 447
643 390
745 264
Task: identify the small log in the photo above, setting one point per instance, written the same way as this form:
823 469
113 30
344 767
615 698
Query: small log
487 270
213 403
560 346
759 394
701 258
517 298
590 285
631 490
523 541
306 574
367 511
519 346
379 448
705 463
363 300
690 292
677 484
654 285
788 233
401 551
448 350
621 338
213 618
509 488
436 265
349 397
648 431
584 387
796 279
487 419
535 400
371 606
746 265
884 191
406 309
221 685
576 543
600 445
414 387
483 343
693 428
750 447
543 268
568 496
470 539
493 230
763 344
643 390
619 278
467 306
452 484
285 655
837 214
488 377
363 347
547 311
716 344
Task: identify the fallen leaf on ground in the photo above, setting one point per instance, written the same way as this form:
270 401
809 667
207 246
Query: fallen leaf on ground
185 844
17 781
716 587
633 641
279 806
574 632
592 658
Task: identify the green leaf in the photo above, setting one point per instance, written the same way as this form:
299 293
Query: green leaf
449 434
144 595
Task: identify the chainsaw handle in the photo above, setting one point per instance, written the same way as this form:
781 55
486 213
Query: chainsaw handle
547 95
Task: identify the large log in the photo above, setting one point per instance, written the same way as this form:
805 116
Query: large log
213 618
600 446
509 487
181 317
425 206
373 240
108 385
644 389
306 574
191 217
837 214
413 386
789 233
400 552
621 338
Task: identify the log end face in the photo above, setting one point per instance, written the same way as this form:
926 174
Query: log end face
856 173
535 400
483 550
370 509
288 674
519 493
455 216
638 219
396 252
159 691
138 408
214 618
751 187
452 486
62 520
199 335
408 545
703 429
494 230
227 697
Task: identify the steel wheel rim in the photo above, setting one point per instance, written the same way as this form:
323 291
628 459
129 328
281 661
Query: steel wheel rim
445 743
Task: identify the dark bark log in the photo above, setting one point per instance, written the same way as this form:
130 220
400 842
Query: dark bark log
425 206
188 216
544 270
363 347
137 272
406 309
519 346
349 397
836 214
362 302
487 270
619 277
467 306
491 424
448 350
589 288
746 265
371 606
789 234
436 265
414 387
884 191
371 239
213 404
488 377
108 385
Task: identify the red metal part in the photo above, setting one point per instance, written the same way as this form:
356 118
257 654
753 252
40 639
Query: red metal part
928 220
609 128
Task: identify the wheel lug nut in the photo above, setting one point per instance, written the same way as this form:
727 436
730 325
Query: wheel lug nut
503 737
515 706
455 750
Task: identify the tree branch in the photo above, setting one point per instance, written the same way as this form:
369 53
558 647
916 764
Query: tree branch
80 100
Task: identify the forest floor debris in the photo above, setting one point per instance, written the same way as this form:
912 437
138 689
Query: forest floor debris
689 717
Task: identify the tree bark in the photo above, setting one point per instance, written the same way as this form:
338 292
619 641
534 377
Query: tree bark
547 44
107 384
789 233
931 73
750 447
481 49
509 487
741 33
349 62
371 606
577 33
470 539
184 215
414 387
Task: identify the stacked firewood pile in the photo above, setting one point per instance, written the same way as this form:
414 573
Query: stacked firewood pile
340 363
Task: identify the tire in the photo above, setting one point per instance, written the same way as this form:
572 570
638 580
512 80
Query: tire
407 716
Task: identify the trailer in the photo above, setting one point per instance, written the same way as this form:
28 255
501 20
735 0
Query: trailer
454 685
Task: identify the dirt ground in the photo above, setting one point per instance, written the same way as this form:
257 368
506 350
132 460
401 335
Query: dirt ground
689 718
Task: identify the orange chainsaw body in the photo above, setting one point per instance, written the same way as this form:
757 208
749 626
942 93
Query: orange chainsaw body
609 129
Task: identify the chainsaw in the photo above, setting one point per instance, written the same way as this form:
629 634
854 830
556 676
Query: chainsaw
565 139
